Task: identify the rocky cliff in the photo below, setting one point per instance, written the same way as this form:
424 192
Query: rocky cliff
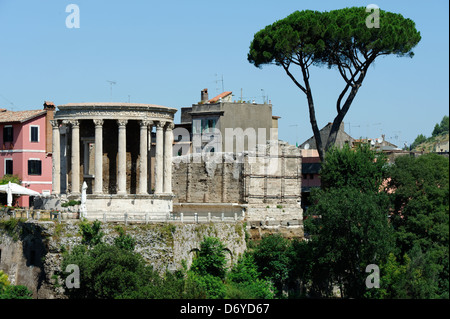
31 252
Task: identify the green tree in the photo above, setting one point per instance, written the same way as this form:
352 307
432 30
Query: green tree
208 268
338 39
90 232
108 272
210 258
420 204
441 128
419 140
272 256
362 168
244 281
351 233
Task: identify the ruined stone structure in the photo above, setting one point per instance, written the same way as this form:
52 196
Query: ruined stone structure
108 145
264 186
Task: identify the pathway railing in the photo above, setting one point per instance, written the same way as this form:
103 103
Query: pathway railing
124 217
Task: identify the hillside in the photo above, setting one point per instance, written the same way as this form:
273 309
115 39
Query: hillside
430 144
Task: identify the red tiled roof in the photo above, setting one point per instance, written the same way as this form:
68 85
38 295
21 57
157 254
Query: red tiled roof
221 95
19 116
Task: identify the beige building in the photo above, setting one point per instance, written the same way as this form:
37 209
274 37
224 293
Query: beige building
224 125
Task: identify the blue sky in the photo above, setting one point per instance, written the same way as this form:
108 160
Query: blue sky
166 52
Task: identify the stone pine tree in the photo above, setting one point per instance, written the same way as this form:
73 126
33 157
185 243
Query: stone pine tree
346 39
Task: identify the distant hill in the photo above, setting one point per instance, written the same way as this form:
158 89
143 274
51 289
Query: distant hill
429 145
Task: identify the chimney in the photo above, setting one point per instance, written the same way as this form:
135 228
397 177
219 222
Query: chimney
50 108
204 95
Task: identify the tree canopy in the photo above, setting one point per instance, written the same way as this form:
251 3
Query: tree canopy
337 39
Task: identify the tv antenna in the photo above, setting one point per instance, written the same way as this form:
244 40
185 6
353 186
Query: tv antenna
264 97
217 81
111 85
12 104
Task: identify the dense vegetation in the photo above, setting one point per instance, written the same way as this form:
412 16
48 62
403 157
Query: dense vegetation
116 271
8 291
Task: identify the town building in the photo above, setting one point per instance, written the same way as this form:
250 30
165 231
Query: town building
26 149
223 125
341 138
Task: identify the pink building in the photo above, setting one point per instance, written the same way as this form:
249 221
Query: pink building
26 148
310 175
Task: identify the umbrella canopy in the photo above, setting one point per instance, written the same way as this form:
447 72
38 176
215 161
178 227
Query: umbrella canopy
16 189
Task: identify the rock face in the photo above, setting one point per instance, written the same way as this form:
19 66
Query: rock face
31 252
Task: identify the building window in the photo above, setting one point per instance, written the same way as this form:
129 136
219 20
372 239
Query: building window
7 133
34 167
34 133
8 166
211 125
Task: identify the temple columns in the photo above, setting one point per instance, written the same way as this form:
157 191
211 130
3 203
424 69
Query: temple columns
143 157
56 158
75 157
168 146
98 182
159 165
122 158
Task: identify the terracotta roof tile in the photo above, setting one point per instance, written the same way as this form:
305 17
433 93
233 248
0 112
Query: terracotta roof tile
221 95
19 116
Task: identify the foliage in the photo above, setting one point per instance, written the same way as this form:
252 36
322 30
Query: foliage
91 232
421 212
422 143
124 241
338 39
419 140
71 203
361 168
244 282
353 232
273 260
16 292
210 259
3 280
8 291
10 178
441 128
107 271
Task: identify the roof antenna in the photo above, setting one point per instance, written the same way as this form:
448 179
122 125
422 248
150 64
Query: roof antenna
111 84
12 104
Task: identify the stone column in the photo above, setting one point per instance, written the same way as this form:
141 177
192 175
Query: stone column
168 146
159 165
75 156
149 158
56 158
98 182
122 165
143 155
